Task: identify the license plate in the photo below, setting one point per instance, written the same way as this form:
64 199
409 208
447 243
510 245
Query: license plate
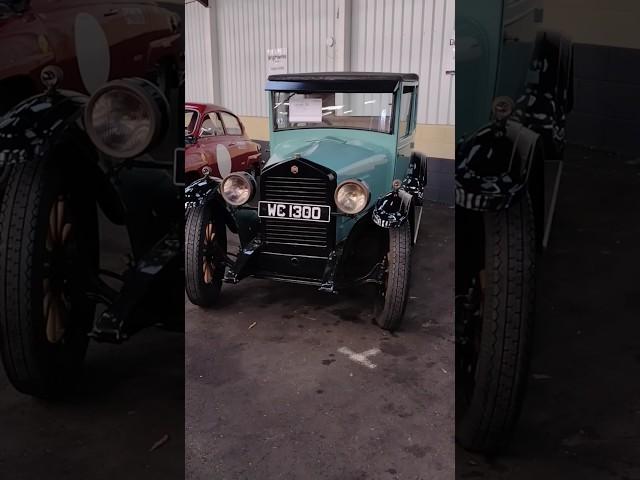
294 211
178 167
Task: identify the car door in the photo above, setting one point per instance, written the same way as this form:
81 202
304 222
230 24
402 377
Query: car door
239 147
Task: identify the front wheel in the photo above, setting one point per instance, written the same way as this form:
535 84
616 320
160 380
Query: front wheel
48 248
205 253
493 323
393 294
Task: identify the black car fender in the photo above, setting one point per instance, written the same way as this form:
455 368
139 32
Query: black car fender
49 125
206 192
548 96
493 165
394 208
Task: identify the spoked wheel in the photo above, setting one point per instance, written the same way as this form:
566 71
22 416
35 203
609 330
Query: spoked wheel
392 296
48 248
205 252
493 331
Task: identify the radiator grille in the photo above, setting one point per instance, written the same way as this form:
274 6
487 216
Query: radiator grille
308 191
293 232
313 191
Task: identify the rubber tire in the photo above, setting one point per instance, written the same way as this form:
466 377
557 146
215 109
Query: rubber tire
33 365
198 292
487 424
397 288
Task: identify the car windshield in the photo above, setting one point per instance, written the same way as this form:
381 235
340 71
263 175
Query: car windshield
361 111
190 120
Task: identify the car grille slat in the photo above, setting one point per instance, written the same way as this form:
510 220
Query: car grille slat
310 191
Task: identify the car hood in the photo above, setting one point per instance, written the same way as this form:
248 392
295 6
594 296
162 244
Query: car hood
350 159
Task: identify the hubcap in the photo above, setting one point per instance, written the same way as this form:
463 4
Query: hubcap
56 305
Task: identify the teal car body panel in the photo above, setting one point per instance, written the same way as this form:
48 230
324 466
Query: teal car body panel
352 154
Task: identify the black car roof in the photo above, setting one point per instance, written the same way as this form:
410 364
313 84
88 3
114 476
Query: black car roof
339 81
355 76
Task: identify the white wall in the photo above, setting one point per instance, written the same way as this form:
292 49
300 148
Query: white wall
612 23
378 35
199 43
410 36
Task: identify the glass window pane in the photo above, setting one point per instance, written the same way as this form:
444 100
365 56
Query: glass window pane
231 124
362 111
211 126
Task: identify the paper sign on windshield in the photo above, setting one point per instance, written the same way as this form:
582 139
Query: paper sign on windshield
305 110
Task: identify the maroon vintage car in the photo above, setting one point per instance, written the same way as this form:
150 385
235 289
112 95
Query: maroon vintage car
91 41
211 131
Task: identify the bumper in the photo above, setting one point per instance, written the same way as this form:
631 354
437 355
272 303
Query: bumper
255 260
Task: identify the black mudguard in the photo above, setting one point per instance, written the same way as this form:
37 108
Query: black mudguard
206 191
52 122
548 98
493 166
38 125
393 209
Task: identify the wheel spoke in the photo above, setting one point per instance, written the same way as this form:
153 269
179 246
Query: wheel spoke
66 230
60 210
208 270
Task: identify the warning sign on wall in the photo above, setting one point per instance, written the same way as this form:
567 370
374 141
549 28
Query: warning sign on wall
276 61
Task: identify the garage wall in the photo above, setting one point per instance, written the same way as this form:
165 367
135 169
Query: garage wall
408 36
199 82
607 82
385 36
324 35
247 28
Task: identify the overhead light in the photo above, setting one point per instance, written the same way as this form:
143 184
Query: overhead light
347 111
368 102
333 107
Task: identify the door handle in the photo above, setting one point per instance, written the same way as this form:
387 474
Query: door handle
112 12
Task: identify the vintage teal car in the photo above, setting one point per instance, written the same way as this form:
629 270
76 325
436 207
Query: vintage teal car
513 93
337 204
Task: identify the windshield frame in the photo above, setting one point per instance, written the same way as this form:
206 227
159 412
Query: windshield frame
276 129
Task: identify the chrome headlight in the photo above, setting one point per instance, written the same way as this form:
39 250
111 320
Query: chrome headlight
238 188
352 196
125 118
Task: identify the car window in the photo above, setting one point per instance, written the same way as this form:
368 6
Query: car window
349 110
211 126
406 106
231 124
190 120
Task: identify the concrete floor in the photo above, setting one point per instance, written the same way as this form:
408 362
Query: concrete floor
581 417
131 397
279 401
